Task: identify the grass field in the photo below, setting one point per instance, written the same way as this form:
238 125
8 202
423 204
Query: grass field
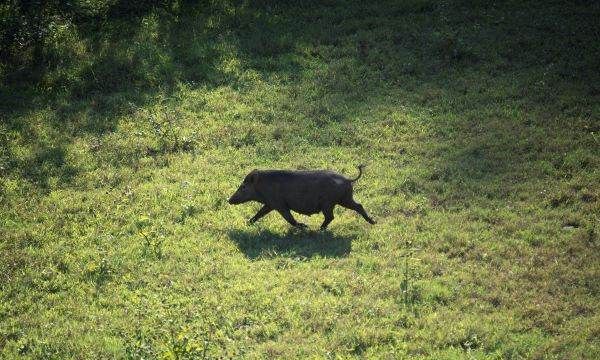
480 125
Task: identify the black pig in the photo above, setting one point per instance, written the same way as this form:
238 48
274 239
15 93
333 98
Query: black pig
305 192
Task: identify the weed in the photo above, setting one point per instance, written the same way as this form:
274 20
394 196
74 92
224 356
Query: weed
410 293
99 272
152 246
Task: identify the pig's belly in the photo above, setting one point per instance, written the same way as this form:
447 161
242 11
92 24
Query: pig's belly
305 207
307 211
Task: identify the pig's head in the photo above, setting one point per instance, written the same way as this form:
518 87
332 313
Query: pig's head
247 190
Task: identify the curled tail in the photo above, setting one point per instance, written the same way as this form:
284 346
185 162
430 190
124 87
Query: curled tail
360 170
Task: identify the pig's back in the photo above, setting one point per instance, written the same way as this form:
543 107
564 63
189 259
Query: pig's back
316 180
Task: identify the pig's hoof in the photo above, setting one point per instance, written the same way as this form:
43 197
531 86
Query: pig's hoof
301 226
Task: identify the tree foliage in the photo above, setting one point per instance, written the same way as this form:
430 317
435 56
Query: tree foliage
27 26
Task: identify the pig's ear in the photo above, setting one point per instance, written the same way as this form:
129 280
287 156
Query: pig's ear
254 176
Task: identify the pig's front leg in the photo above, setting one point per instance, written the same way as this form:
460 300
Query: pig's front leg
288 216
262 212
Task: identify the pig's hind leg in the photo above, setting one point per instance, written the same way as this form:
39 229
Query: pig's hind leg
349 203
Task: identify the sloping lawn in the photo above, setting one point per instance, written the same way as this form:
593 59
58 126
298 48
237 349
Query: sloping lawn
479 123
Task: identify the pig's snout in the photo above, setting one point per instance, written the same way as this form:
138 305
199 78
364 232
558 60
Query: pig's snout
244 194
235 199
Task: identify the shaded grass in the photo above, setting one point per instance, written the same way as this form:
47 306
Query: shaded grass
300 245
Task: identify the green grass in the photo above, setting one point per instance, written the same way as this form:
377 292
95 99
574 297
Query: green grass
480 125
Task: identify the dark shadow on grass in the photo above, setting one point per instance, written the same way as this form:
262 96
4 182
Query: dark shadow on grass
294 243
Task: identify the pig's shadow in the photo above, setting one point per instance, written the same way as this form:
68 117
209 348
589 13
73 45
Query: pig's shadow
294 243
